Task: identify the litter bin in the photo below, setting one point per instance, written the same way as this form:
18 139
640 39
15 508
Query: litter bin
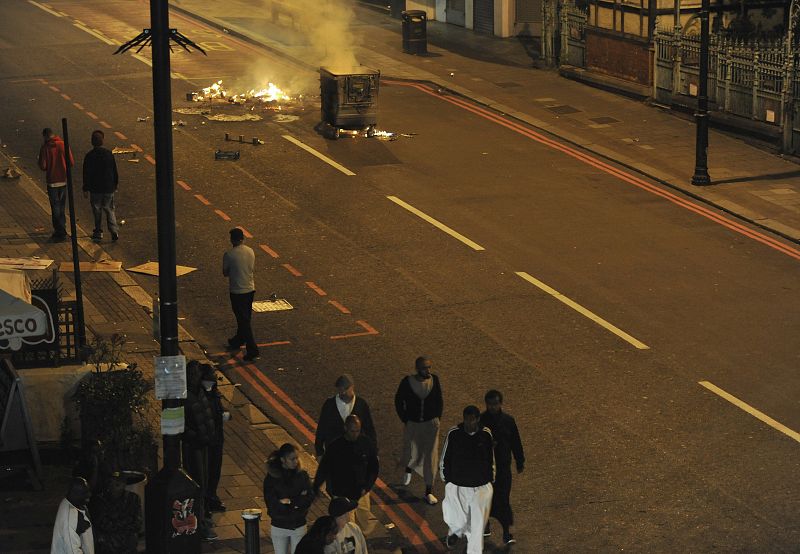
415 32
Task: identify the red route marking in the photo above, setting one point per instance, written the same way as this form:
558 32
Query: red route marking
54 89
616 172
369 330
260 345
150 159
312 425
66 97
120 136
245 232
315 288
290 268
183 185
92 115
104 124
338 306
268 250
222 214
137 147
202 199
79 106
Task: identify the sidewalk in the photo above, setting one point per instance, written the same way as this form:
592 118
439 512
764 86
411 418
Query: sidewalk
115 303
755 185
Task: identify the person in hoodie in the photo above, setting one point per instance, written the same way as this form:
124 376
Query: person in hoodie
288 495
100 180
52 160
467 468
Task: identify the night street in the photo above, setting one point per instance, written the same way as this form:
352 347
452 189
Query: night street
615 313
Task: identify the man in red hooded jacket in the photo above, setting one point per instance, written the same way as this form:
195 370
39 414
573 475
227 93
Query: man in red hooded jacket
53 162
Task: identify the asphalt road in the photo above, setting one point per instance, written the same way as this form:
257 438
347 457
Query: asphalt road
626 449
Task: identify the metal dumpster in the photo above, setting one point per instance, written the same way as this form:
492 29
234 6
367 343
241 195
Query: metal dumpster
349 96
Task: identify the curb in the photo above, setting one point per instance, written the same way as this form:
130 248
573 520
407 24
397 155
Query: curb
644 170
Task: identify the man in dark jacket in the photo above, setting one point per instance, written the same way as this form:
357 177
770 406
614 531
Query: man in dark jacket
418 402
100 180
506 442
336 409
349 468
199 432
53 161
216 446
467 468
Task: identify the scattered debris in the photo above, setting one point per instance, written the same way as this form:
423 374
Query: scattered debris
134 160
121 150
11 173
25 263
192 111
285 118
254 141
143 119
151 268
226 117
100 266
267 95
226 154
179 123
389 525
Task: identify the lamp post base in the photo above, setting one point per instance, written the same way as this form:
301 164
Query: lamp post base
701 178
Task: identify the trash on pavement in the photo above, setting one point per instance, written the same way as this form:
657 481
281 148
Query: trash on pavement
143 119
192 111
11 173
226 155
151 268
179 123
231 117
277 305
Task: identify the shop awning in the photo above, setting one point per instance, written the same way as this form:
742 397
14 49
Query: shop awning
18 318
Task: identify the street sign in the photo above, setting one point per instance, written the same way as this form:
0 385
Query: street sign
170 376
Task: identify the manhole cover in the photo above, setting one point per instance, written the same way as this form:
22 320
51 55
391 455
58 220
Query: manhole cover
508 85
272 305
604 120
563 109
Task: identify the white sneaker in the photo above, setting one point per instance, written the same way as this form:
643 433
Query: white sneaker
406 479
430 499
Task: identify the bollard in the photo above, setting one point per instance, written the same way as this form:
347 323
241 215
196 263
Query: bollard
241 138
252 542
227 137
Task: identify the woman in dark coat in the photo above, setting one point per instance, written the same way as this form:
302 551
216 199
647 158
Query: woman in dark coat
288 494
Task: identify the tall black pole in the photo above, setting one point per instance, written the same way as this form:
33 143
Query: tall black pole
80 324
701 176
172 496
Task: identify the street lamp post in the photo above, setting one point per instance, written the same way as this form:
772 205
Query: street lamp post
787 113
701 177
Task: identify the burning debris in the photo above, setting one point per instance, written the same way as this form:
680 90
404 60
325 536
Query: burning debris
270 96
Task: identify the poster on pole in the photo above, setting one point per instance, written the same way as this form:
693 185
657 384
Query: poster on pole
172 421
170 376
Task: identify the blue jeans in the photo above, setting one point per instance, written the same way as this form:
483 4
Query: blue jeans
58 214
103 204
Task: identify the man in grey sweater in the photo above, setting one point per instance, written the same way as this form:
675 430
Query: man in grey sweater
238 265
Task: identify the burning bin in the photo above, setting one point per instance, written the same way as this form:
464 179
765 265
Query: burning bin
415 32
349 96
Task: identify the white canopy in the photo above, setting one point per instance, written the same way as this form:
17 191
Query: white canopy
18 318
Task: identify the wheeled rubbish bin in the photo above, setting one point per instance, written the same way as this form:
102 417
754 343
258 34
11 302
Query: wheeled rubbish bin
415 32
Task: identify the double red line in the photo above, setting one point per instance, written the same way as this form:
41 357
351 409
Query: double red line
607 168
413 526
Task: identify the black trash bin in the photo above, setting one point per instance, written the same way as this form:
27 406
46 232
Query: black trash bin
415 32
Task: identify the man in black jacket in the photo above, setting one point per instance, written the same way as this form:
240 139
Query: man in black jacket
418 402
467 468
100 180
349 468
217 444
506 442
336 409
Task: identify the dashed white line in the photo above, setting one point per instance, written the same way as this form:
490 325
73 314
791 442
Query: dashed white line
751 410
436 223
319 155
583 311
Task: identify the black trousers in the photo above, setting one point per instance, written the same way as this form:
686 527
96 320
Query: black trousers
195 462
214 470
242 305
501 499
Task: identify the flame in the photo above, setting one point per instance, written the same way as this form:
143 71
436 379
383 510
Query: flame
271 93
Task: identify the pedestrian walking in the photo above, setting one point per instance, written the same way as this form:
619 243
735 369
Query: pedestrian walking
216 447
418 402
288 494
198 433
72 531
467 468
507 442
52 160
349 538
335 411
238 265
117 517
349 468
322 533
100 181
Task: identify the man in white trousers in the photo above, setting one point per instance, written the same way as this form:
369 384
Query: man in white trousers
467 468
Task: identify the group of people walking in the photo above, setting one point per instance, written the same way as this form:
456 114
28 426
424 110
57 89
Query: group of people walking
475 465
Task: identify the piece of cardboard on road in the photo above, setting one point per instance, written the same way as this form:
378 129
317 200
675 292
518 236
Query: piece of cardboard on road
102 265
24 263
151 268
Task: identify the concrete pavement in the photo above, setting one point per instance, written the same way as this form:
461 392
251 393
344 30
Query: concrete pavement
750 181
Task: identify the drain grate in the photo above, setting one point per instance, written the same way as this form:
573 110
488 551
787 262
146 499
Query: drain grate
604 120
563 109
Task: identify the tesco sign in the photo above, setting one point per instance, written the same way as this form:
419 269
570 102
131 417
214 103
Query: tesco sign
14 327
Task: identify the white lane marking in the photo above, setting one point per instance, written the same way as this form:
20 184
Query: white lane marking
436 223
45 8
319 155
95 34
750 410
583 311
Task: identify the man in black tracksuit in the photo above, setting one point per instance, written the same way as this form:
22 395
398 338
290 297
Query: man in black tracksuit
506 442
467 468
100 180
